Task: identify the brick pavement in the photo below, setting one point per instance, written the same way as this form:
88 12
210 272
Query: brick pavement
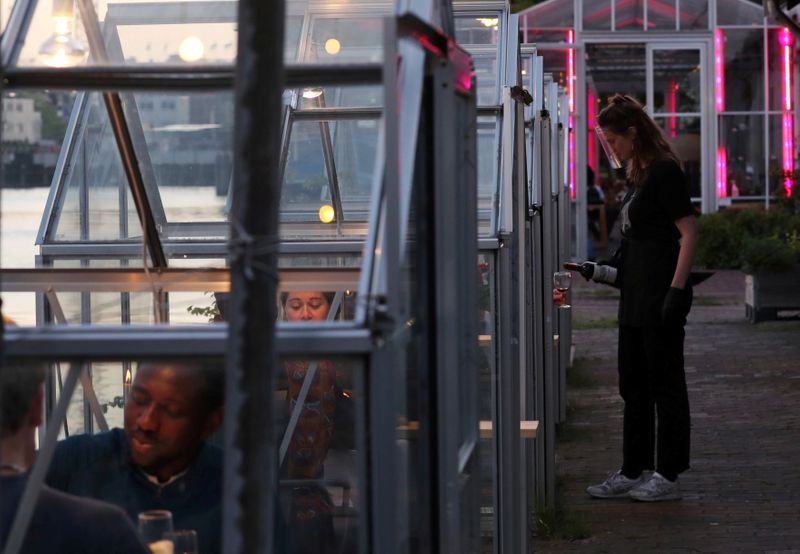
743 491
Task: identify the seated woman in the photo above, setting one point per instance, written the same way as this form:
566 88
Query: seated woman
324 417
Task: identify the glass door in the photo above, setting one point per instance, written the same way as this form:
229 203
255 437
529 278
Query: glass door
676 98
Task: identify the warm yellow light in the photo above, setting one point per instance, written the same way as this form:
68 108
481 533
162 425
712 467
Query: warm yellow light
62 49
312 93
488 21
326 213
128 376
332 46
191 49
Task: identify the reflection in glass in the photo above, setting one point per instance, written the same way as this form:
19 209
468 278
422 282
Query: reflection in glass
486 77
744 69
548 15
616 68
661 15
317 438
684 134
737 12
596 15
629 15
742 136
676 81
694 14
345 40
477 29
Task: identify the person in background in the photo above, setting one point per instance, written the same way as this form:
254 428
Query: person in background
652 269
161 460
325 420
60 522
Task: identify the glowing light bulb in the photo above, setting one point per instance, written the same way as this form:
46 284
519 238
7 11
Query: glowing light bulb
326 213
62 49
488 21
333 46
191 49
312 92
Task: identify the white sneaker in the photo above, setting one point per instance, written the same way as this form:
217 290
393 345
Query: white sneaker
656 489
616 486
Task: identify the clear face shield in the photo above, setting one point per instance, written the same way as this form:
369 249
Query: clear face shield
613 159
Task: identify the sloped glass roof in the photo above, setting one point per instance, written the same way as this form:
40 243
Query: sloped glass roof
182 140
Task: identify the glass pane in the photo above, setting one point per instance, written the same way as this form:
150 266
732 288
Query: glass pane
555 63
488 150
685 136
613 68
5 12
306 180
742 137
782 153
188 393
661 15
486 77
94 196
537 35
344 40
676 81
629 15
693 14
488 382
548 14
143 32
597 15
188 145
780 52
739 12
744 69
478 29
320 464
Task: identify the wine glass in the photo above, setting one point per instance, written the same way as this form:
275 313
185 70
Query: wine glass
562 281
184 541
153 526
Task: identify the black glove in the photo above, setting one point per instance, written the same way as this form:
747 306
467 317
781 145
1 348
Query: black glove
676 306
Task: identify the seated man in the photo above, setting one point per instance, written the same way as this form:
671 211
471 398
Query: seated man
161 460
60 522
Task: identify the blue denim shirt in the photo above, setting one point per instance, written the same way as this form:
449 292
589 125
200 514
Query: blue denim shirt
99 466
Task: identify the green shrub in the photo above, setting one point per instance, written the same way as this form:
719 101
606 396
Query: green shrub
751 240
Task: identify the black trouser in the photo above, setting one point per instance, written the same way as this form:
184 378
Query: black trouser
652 380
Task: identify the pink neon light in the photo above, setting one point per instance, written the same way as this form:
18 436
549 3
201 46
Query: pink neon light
571 93
591 147
672 107
722 172
719 70
785 39
571 148
571 71
788 152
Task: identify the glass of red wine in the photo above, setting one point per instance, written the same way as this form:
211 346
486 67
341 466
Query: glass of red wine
561 281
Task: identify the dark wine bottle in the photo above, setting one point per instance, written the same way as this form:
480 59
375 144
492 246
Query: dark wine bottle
586 269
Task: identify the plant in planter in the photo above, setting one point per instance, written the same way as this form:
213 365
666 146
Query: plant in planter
763 244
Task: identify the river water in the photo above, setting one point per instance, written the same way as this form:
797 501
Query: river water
22 211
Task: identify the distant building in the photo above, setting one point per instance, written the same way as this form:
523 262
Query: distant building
21 121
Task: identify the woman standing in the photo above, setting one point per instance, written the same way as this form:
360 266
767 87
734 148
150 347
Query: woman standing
652 269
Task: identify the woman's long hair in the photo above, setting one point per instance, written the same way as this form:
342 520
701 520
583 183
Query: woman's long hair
624 112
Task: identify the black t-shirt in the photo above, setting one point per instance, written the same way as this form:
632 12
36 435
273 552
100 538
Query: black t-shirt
658 202
650 245
67 524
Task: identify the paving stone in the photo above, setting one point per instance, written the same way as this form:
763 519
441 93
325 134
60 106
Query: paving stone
743 491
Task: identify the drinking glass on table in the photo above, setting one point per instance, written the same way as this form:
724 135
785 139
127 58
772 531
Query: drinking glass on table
184 541
562 281
154 525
